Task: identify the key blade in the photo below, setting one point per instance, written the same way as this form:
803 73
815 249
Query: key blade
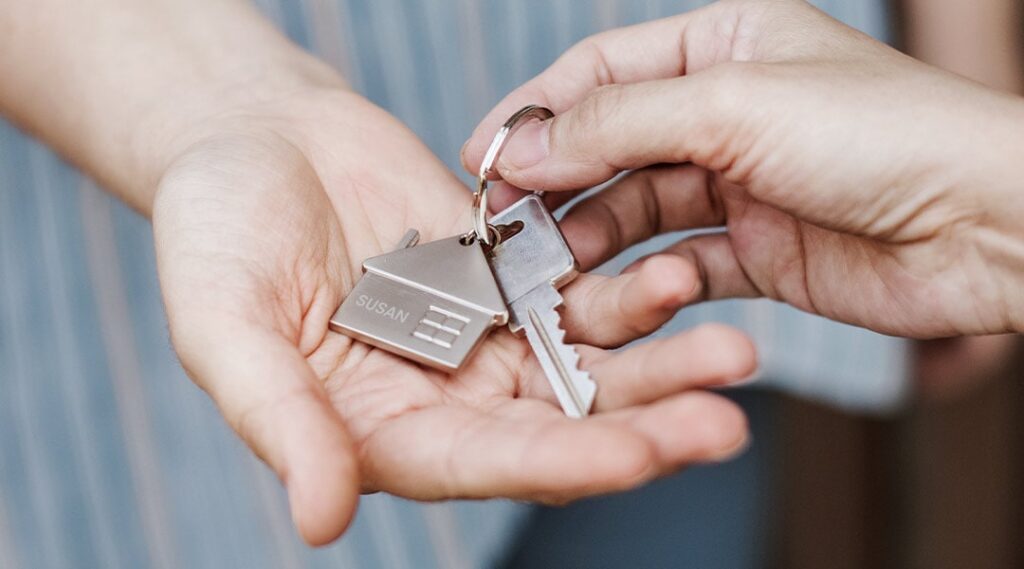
573 387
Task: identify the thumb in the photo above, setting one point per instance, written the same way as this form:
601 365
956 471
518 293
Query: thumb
624 127
269 394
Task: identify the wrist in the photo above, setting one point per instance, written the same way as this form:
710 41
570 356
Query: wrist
208 108
1011 205
999 233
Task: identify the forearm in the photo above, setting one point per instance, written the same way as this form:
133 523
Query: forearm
119 87
979 39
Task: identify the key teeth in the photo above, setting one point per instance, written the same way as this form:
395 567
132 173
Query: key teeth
572 359
561 361
559 340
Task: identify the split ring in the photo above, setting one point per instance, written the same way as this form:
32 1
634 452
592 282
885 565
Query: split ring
480 227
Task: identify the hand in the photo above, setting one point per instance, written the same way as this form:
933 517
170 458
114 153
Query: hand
261 226
853 181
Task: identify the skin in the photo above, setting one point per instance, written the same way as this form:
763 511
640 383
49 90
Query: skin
853 181
268 182
981 40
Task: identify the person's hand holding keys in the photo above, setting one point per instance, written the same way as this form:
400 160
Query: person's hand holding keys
262 225
853 181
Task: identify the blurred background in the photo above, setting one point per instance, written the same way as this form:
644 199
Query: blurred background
868 451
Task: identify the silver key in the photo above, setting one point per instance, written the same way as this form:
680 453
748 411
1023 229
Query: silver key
432 303
530 267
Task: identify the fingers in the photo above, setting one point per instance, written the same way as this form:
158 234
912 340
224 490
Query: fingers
658 200
523 449
502 194
641 205
270 396
652 50
707 118
641 56
687 428
718 268
711 355
609 312
526 449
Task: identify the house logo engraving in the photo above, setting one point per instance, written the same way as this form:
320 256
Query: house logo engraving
440 327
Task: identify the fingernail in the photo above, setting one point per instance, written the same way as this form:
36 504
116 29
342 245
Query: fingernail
528 146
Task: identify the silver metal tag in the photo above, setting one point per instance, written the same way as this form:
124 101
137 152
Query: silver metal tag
432 303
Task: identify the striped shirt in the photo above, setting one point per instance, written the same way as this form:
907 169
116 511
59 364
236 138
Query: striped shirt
110 458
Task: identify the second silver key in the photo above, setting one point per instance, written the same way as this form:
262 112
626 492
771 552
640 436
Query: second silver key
530 267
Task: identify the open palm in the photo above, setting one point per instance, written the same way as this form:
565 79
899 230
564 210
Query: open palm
261 228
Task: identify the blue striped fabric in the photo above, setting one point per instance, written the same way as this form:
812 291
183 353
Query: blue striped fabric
110 458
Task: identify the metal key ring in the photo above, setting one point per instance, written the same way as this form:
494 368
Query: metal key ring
480 227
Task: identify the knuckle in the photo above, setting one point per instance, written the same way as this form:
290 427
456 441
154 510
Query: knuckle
589 121
734 94
599 105
606 99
